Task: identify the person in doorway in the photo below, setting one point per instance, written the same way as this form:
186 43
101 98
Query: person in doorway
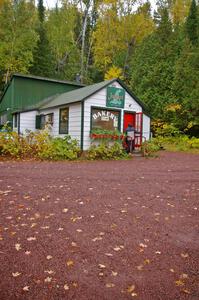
130 138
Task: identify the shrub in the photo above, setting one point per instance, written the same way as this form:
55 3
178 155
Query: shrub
106 151
39 145
149 148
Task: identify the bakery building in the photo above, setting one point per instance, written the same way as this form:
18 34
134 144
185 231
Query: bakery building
108 106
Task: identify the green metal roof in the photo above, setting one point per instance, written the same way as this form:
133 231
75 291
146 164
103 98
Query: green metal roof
77 95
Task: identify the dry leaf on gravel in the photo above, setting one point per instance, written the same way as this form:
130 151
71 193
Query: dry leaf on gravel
66 287
31 239
102 266
65 210
26 288
184 255
179 282
49 257
48 279
131 288
114 273
110 285
70 263
16 274
17 247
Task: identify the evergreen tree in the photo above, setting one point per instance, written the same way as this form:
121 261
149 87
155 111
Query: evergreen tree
43 64
192 24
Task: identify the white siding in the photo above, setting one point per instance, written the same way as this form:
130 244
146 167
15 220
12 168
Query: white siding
27 121
99 100
74 125
146 128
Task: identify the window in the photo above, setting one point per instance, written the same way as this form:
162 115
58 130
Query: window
44 120
63 121
105 119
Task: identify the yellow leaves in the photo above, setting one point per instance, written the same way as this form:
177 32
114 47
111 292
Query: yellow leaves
179 282
70 263
173 107
65 210
74 219
113 72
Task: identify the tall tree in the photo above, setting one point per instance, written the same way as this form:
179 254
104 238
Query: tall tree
17 36
43 59
192 24
61 31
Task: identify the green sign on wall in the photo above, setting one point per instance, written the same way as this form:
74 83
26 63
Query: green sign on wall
115 97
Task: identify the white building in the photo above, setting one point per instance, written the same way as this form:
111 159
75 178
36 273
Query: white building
108 105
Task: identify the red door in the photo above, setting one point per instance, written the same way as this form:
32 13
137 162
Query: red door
129 118
136 120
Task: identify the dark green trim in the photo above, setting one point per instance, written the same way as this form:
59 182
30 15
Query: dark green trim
82 126
60 119
109 109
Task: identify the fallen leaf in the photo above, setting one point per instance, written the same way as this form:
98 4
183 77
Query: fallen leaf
98 238
17 247
186 291
65 210
49 271
171 270
27 252
140 267
143 245
26 288
110 285
184 255
131 288
179 282
146 261
184 276
49 257
48 279
31 239
16 274
114 273
70 263
66 287
134 294
108 254
102 266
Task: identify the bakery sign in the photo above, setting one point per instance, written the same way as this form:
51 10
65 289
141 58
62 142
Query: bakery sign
115 97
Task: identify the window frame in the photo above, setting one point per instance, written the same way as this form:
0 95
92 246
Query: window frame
106 109
60 110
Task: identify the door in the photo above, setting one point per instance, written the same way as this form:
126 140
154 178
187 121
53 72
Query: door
136 120
129 118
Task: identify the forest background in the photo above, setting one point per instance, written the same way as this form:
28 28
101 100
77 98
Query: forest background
156 53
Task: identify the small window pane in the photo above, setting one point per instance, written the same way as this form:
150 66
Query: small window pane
63 122
105 119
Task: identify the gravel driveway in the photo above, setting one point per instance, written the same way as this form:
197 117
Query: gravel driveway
106 230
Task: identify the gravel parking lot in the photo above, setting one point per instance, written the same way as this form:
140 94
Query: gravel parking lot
105 230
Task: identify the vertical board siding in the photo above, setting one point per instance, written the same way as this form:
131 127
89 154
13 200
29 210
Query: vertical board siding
99 100
146 128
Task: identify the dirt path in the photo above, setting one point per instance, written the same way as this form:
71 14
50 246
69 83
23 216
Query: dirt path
100 230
